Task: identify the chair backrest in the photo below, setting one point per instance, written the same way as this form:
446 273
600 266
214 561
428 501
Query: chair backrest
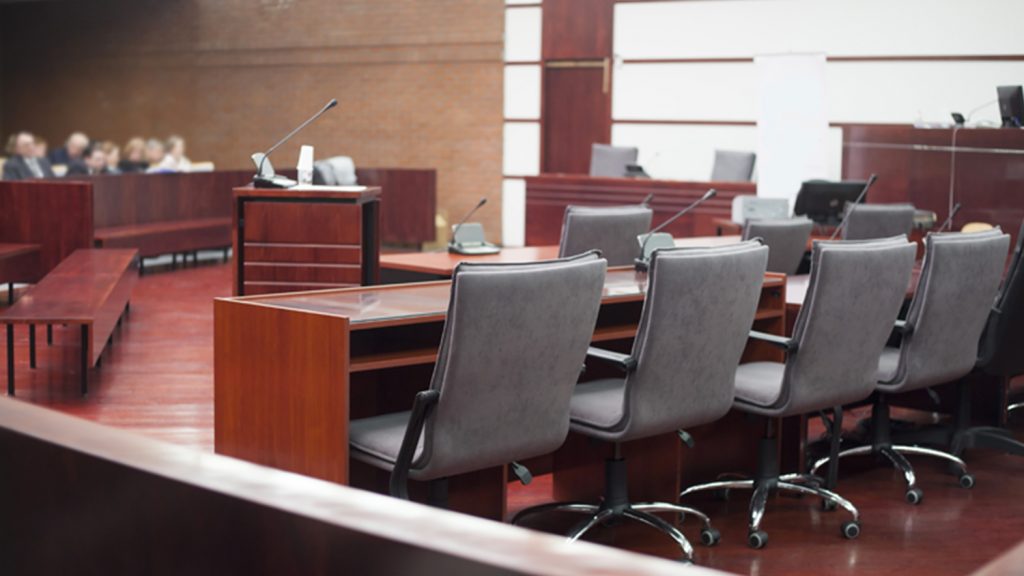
612 230
853 297
323 173
869 221
611 161
1003 339
344 170
513 344
732 166
958 285
787 240
696 318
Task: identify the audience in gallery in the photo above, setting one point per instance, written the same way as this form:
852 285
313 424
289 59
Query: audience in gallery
23 163
28 157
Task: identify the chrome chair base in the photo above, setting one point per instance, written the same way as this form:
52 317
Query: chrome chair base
615 505
1016 406
804 484
896 455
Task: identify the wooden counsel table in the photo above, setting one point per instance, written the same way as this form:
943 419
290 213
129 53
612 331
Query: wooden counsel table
291 370
420 266
305 238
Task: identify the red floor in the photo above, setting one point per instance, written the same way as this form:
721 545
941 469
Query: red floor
158 380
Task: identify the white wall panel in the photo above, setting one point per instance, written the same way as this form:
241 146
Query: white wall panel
745 28
522 148
522 34
513 212
718 91
522 92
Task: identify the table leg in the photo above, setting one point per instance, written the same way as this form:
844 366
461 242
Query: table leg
49 334
85 359
10 293
10 359
31 345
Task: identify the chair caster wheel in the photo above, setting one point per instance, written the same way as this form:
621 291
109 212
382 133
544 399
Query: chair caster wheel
757 539
850 529
828 505
710 536
966 481
914 496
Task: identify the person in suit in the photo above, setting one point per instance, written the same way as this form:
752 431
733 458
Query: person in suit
72 150
23 163
93 162
112 153
134 156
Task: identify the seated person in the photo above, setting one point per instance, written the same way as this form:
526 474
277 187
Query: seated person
41 151
113 155
154 155
71 151
134 158
175 160
93 162
23 163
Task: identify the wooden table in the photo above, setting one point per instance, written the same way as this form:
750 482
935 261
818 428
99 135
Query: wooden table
305 238
419 266
290 370
91 288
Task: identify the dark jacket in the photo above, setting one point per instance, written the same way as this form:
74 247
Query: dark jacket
80 169
16 168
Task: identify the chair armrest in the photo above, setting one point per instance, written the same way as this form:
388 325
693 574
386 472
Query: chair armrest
624 361
421 406
903 327
781 341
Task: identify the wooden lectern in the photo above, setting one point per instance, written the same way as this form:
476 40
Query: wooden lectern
305 238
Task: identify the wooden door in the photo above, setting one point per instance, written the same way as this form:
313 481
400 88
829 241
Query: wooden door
577 113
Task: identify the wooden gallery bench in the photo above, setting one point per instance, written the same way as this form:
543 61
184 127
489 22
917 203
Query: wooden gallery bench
91 288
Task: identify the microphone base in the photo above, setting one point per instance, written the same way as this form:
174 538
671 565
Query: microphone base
275 182
641 265
474 250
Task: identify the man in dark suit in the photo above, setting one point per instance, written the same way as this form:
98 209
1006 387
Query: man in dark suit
24 164
93 162
72 150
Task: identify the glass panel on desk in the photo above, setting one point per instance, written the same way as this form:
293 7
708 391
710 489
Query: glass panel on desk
369 305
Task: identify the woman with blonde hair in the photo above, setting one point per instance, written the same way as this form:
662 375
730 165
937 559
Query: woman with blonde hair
133 157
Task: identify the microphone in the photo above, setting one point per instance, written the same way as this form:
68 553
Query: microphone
455 230
949 221
842 225
261 181
641 262
647 200
474 242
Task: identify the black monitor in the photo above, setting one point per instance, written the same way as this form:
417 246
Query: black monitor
1011 106
823 201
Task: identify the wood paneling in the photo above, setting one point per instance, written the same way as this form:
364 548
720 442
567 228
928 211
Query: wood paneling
547 196
56 215
577 29
916 165
19 262
577 114
408 203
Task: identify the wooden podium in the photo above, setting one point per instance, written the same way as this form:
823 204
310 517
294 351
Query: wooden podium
305 238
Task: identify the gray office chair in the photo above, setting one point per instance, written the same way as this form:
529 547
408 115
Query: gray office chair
999 355
853 297
611 161
699 308
787 240
513 343
612 230
731 166
939 338
868 221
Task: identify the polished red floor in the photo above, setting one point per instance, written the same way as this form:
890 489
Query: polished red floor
158 380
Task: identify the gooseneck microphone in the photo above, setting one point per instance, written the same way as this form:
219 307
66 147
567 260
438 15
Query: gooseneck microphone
842 225
455 230
647 200
261 181
949 221
641 263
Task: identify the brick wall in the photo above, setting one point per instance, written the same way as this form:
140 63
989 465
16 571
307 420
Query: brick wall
419 82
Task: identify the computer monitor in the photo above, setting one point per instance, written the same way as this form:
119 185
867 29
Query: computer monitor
823 201
1011 106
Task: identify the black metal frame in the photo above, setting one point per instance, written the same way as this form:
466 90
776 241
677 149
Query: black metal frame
399 483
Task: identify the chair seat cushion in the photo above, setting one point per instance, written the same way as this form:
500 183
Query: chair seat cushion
598 404
377 440
760 383
888 365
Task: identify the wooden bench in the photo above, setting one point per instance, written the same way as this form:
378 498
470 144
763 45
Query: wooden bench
170 237
91 288
18 263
